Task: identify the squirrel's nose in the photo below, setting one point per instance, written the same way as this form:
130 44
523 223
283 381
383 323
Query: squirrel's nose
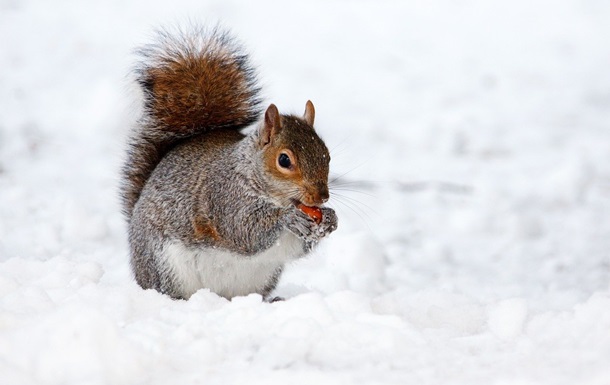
323 194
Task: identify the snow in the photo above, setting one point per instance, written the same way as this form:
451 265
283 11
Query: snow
472 140
506 318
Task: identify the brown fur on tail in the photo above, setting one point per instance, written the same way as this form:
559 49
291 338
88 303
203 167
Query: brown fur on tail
192 82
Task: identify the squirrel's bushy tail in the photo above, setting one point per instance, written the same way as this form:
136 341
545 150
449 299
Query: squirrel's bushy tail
193 81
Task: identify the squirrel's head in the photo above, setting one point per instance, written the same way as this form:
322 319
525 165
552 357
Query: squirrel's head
295 159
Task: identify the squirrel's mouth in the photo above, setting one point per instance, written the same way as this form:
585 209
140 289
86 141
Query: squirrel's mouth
313 212
311 197
297 203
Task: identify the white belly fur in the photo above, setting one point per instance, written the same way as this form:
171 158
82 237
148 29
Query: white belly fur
225 273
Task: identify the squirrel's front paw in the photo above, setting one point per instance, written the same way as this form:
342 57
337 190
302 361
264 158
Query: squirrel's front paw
329 222
308 229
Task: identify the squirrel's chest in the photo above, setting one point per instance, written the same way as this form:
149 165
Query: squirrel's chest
226 273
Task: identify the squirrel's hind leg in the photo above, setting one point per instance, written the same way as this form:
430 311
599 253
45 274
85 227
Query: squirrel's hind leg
271 284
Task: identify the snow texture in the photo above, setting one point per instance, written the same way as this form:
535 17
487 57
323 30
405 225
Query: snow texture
472 141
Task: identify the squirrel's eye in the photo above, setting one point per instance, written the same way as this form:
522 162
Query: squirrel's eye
284 161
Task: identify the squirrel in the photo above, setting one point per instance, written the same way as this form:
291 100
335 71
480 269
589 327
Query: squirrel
213 190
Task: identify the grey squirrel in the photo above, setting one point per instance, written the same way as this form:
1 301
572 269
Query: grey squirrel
207 205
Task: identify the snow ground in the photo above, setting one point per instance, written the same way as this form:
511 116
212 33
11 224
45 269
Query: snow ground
473 140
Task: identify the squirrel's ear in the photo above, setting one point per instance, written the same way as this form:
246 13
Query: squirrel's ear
310 113
271 125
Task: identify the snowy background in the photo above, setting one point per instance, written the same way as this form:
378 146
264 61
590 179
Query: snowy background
473 143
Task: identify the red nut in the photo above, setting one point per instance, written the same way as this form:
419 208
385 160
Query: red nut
313 212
